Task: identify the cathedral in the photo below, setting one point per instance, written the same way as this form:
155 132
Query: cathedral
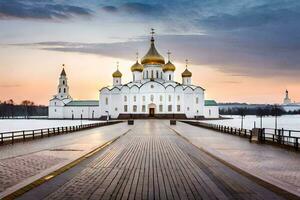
152 93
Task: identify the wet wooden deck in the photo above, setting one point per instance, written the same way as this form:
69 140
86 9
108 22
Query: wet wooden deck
153 162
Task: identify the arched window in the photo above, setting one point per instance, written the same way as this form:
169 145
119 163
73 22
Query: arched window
63 82
169 77
170 98
152 74
161 76
125 98
197 100
59 91
106 101
134 108
133 77
64 90
156 74
147 74
152 97
134 98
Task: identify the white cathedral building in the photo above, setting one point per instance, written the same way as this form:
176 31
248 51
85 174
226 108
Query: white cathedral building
152 93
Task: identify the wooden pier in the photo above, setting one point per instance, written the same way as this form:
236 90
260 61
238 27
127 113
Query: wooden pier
153 162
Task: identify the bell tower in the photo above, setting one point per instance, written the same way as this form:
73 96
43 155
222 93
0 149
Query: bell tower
63 88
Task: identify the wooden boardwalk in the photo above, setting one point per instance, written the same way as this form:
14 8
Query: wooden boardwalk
153 162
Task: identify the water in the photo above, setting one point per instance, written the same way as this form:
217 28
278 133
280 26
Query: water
287 122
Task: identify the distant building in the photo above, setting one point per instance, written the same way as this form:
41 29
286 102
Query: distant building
153 92
288 105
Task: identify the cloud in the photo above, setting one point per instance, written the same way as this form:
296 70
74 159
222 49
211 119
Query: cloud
232 55
135 8
25 9
9 85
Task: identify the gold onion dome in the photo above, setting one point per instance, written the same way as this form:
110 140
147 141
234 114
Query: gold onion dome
169 67
117 74
186 73
137 67
152 56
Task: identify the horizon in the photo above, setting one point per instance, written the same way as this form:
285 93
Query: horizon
239 51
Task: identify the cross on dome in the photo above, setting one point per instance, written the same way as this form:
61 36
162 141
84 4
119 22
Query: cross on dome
169 53
186 63
137 55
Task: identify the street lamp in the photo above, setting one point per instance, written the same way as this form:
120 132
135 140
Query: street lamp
107 118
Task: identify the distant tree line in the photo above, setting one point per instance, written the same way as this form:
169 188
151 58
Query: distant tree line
261 112
265 110
9 109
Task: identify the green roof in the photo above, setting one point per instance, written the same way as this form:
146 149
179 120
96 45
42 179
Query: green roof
210 103
83 103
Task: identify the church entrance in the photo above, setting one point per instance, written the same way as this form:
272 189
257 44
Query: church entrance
151 109
151 112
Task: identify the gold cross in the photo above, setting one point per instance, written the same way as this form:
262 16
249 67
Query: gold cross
117 64
186 63
169 53
152 31
137 55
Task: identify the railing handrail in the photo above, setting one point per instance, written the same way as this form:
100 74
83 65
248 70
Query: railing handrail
16 135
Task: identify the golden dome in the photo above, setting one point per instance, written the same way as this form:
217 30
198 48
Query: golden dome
152 56
117 74
186 73
169 67
137 67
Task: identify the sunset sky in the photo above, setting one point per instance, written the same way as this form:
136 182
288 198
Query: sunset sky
238 50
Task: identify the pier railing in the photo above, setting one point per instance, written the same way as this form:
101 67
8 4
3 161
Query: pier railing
282 137
17 136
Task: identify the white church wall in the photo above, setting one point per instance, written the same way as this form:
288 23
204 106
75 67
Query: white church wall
211 112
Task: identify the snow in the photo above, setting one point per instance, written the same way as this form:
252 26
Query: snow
287 122
8 125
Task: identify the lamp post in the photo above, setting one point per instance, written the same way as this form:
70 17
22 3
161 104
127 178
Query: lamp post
107 118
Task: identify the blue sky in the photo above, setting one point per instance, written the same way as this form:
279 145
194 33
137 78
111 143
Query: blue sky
247 38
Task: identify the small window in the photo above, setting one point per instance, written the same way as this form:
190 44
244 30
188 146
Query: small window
125 98
125 108
160 108
197 100
133 77
54 103
134 108
116 109
152 74
143 108
160 97
116 81
209 112
144 98
152 86
178 108
152 97
178 98
170 108
147 74
161 74
106 101
54 110
59 91
170 77
188 108
63 82
64 90
170 98
156 74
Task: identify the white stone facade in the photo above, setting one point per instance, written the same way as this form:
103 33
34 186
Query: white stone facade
152 93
